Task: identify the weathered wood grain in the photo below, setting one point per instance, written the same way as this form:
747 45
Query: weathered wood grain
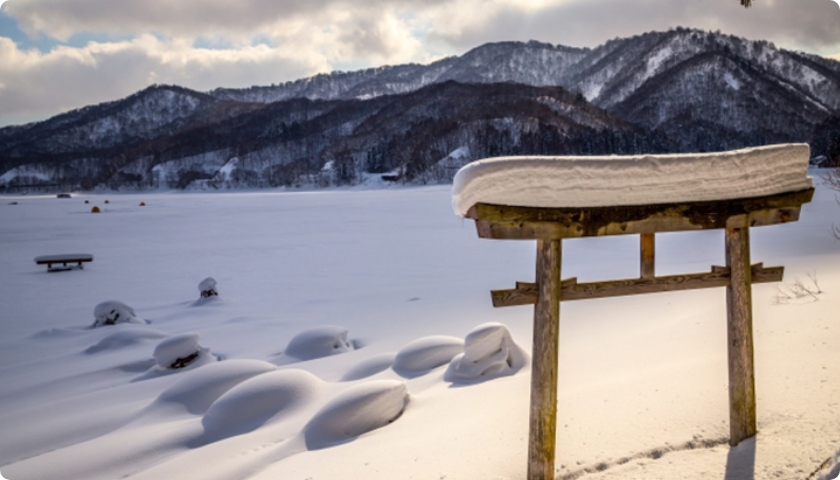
647 267
529 223
742 415
543 413
526 293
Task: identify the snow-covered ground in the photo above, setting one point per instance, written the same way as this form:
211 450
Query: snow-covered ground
320 294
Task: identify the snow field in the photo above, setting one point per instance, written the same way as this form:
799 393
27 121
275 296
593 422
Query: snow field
642 380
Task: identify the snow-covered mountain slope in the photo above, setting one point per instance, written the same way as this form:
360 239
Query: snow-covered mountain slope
606 75
142 115
532 63
319 142
747 103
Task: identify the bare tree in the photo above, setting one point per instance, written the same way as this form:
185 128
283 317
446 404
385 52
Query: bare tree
746 3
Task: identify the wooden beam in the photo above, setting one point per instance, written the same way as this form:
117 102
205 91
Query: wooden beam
526 293
647 267
543 412
742 416
529 223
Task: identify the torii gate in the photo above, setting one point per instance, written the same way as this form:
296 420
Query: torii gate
549 226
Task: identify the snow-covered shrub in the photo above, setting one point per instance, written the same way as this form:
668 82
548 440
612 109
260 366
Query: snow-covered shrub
319 342
179 351
207 287
427 353
489 352
199 388
113 312
259 399
357 410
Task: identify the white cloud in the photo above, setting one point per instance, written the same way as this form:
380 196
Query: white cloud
811 25
41 84
303 37
37 85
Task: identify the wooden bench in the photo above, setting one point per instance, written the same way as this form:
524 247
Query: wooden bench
65 260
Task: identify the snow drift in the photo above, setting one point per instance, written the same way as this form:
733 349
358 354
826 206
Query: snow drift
319 342
130 335
370 367
198 389
427 353
255 401
357 410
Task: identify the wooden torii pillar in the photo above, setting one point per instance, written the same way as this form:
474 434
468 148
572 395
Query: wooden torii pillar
549 226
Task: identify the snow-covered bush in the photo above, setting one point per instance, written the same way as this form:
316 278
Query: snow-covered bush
199 388
259 399
319 342
179 351
355 411
113 312
427 353
489 352
207 287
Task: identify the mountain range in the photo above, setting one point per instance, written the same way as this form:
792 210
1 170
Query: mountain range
677 91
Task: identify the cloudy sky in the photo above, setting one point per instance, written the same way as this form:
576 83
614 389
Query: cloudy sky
57 55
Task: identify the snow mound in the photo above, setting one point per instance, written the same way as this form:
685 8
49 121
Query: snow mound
357 410
131 335
489 352
259 399
319 342
632 180
427 353
207 287
113 312
178 351
369 367
198 389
